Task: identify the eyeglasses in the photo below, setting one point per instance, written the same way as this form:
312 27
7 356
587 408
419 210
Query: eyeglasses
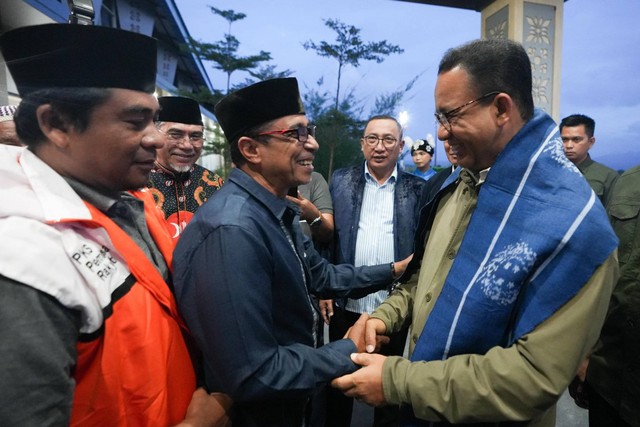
194 138
301 133
445 118
373 140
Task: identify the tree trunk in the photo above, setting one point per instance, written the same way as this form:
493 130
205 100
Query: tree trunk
338 89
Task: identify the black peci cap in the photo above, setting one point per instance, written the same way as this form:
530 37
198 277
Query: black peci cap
257 104
66 55
179 109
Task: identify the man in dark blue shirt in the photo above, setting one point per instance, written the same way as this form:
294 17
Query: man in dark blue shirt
244 271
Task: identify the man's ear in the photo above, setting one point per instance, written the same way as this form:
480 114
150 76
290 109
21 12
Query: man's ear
52 125
504 108
250 149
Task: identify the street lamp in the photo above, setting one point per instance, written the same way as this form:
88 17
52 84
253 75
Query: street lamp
403 118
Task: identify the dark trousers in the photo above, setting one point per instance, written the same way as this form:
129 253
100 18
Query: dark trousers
318 403
340 407
601 413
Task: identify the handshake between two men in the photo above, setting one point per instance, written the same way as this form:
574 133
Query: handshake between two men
365 384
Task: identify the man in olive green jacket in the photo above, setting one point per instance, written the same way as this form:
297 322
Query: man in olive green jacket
613 375
577 137
505 294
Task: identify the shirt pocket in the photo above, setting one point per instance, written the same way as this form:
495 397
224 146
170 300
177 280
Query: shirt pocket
598 188
624 219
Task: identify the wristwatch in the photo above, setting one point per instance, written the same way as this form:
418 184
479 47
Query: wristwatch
316 221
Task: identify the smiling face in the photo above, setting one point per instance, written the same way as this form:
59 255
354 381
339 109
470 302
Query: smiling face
280 162
382 159
117 150
182 145
453 159
475 138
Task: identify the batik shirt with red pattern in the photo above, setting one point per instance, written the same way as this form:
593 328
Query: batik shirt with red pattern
179 195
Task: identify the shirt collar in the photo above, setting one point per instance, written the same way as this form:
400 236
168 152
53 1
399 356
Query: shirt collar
472 179
392 178
585 163
100 200
276 205
482 176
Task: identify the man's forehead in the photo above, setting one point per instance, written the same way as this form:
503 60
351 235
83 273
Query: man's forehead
382 125
128 102
452 86
573 129
291 120
132 101
182 126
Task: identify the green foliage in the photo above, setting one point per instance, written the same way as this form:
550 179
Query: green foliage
340 126
229 15
339 130
208 99
339 119
349 49
224 53
338 135
265 72
226 58
387 103
216 143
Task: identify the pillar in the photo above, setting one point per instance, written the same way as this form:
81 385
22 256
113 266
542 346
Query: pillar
537 24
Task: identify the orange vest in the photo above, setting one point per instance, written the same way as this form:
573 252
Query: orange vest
137 371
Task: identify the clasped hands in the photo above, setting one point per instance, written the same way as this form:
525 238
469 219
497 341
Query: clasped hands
365 384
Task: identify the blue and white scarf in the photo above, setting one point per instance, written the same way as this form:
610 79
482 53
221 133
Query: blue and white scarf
537 235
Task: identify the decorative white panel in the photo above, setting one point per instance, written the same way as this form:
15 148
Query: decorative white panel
497 25
538 38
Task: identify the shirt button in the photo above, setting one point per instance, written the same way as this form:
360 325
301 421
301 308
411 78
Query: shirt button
414 339
428 297
451 254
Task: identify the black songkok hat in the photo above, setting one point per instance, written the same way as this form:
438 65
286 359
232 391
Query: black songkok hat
421 144
257 104
179 109
67 55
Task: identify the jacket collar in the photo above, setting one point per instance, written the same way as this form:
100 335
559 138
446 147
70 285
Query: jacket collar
39 191
271 202
392 178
